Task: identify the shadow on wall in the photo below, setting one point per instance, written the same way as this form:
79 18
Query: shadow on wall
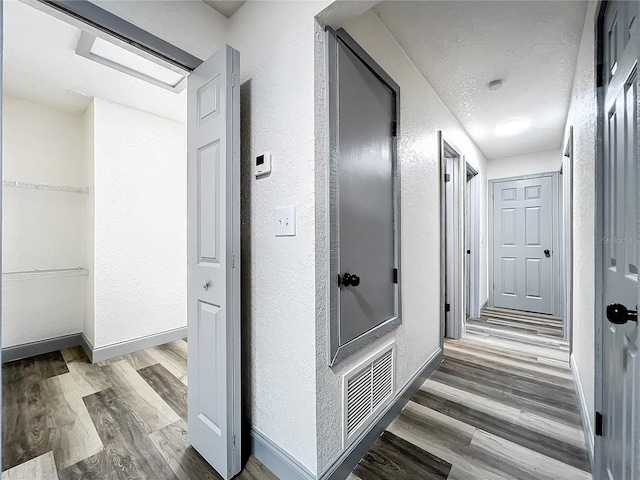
246 172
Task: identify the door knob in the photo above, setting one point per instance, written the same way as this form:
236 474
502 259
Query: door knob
206 285
619 314
349 280
547 253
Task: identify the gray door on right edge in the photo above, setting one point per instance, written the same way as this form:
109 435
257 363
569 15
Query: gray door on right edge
619 451
522 245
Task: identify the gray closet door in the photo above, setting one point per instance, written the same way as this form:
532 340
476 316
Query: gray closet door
523 245
365 197
621 368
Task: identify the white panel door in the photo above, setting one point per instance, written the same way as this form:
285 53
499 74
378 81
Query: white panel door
523 245
213 261
620 454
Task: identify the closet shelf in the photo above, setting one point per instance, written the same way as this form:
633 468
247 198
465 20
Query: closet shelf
56 273
45 186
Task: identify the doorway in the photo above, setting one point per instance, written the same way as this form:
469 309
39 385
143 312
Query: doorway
524 244
460 239
207 272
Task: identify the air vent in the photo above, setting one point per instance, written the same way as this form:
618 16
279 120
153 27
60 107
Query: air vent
366 390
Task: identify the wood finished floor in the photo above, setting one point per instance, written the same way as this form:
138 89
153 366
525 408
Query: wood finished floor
526 322
65 418
501 406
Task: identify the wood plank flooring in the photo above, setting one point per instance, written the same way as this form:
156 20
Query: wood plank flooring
501 406
65 418
526 322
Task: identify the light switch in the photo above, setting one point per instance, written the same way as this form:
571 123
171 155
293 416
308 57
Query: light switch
285 218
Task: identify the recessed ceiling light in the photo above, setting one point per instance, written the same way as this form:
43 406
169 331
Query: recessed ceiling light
512 127
114 56
496 84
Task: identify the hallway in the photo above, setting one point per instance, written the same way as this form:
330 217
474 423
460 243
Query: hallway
502 405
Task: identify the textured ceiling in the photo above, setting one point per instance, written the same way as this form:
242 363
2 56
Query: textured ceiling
460 46
225 7
40 65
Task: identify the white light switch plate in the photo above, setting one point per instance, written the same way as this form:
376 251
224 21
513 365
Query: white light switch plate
285 221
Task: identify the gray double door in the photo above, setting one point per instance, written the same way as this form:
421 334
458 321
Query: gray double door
619 448
523 244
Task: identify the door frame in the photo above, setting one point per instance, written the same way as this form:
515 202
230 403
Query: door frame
567 238
474 240
447 149
557 287
336 351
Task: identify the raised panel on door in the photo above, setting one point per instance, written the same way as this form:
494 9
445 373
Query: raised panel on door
619 447
213 279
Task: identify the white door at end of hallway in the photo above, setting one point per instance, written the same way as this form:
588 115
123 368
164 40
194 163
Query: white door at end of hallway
523 244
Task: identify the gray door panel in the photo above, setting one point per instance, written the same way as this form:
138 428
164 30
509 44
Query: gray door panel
365 197
620 454
522 231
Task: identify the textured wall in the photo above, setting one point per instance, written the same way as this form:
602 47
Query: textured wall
140 230
41 229
275 40
539 162
582 116
89 226
422 115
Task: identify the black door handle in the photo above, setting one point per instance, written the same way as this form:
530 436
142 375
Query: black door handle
619 314
349 280
547 253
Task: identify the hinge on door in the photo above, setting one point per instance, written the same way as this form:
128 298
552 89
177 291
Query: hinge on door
233 260
234 442
447 177
599 420
395 275
600 75
447 307
394 129
233 79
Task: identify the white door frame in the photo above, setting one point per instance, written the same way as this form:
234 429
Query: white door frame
557 288
567 238
474 241
454 255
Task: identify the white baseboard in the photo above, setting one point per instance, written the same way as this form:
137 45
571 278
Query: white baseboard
279 462
584 411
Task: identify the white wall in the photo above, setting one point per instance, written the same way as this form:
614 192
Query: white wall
276 44
529 164
41 229
140 229
88 310
422 115
582 116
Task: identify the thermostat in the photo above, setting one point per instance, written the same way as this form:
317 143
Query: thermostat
263 164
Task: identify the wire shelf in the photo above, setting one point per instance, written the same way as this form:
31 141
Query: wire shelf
55 273
45 186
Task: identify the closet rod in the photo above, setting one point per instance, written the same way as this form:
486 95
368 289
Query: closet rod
55 273
45 186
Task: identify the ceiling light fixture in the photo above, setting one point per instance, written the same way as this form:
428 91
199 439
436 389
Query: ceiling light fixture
512 127
123 60
496 84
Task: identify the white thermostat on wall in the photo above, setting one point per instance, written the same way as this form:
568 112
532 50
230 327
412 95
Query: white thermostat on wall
263 164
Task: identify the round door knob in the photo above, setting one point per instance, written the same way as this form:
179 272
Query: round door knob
619 314
206 285
547 253
349 280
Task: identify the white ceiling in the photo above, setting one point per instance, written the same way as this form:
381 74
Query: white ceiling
460 46
225 7
40 65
